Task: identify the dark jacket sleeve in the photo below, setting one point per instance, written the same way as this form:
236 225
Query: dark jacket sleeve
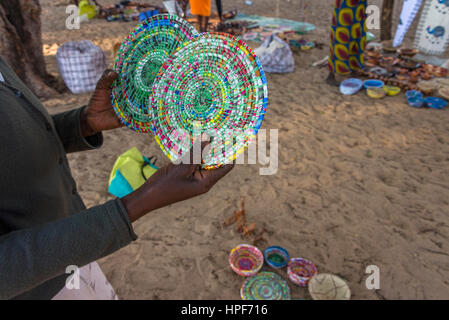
69 130
29 257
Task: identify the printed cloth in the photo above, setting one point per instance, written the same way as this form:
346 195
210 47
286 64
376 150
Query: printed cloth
348 36
409 11
81 65
432 35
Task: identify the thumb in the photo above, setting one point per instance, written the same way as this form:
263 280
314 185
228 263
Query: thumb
108 77
212 176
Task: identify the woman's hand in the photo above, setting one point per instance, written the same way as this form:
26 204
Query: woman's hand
170 184
99 114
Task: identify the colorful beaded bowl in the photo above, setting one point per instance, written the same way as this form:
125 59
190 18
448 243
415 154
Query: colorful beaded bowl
213 84
300 271
276 257
246 260
265 286
139 59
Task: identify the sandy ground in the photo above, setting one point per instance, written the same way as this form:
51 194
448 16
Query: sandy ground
360 182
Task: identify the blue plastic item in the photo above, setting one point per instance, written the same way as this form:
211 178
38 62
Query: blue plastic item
148 14
142 16
351 86
373 83
276 257
415 98
435 102
120 187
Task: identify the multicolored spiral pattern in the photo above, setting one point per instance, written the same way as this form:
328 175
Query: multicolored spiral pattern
265 286
212 84
139 60
246 260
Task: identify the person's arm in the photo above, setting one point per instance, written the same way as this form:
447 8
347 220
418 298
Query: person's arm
29 257
170 184
32 256
69 129
80 129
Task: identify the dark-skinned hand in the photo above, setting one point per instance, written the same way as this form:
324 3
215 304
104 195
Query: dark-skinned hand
99 114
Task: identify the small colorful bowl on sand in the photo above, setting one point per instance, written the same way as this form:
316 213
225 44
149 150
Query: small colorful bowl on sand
376 92
435 102
444 93
276 257
415 98
373 83
300 271
408 52
265 286
392 90
246 260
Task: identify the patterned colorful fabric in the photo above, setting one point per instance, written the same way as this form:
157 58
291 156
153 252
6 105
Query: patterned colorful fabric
348 36
432 35
265 286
